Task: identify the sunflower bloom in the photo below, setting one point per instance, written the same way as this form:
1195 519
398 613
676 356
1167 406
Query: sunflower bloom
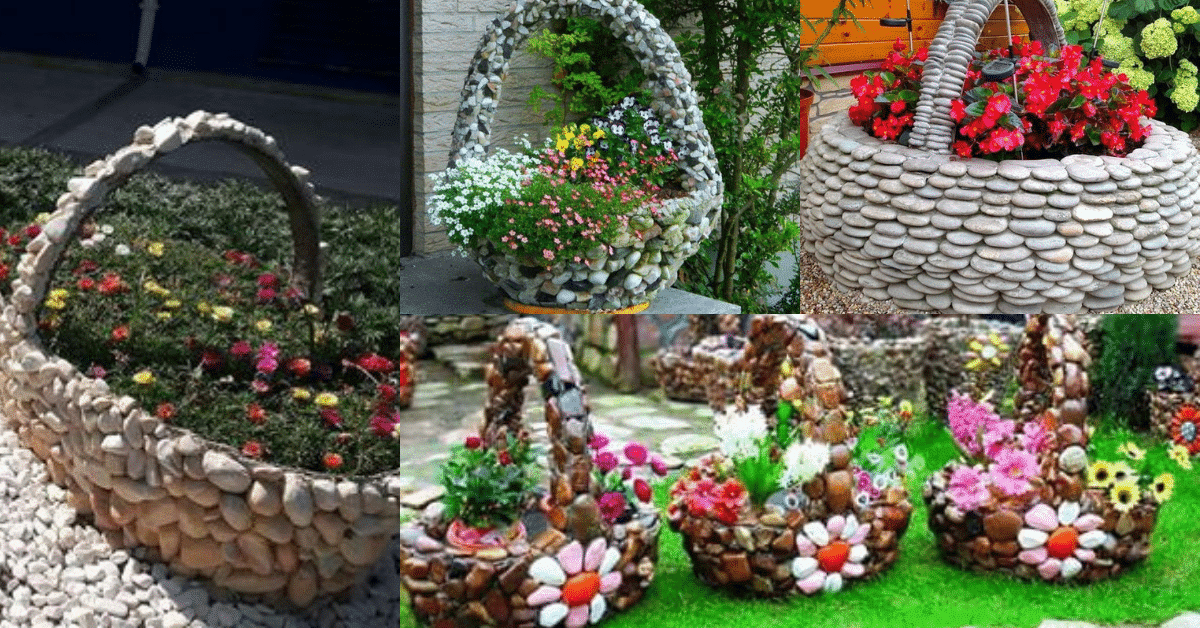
1122 472
1180 455
1163 487
1124 495
1100 474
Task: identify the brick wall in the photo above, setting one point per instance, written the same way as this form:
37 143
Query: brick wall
446 34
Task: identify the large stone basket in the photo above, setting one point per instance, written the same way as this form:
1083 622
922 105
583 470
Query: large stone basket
199 506
505 586
755 555
933 231
639 267
1003 536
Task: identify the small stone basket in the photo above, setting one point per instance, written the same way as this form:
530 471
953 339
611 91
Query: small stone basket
201 507
638 267
532 581
786 549
686 372
1066 532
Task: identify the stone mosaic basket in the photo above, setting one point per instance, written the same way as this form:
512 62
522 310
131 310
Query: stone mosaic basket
638 267
201 507
524 583
769 551
1066 532
686 372
933 231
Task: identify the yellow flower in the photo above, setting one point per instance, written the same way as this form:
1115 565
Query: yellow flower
1124 495
1121 472
301 394
1163 487
599 134
785 369
562 145
584 128
222 313
1100 474
144 378
155 248
55 304
173 304
312 310
568 135
576 163
163 316
203 307
327 400
1180 455
59 293
263 325
153 287
1132 450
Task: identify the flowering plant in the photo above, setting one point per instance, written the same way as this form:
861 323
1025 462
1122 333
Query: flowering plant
623 484
881 456
1128 473
488 487
703 494
1055 104
591 188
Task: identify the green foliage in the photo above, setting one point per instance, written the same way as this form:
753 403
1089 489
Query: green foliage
592 70
759 473
1131 345
484 491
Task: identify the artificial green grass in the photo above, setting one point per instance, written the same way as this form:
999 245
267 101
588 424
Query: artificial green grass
921 590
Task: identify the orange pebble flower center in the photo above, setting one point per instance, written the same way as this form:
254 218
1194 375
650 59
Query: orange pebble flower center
1062 542
833 556
581 588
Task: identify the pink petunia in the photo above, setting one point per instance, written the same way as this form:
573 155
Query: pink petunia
1035 438
1012 471
968 418
967 488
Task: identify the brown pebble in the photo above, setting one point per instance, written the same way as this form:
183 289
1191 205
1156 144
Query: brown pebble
736 566
839 455
1002 525
838 486
496 605
478 578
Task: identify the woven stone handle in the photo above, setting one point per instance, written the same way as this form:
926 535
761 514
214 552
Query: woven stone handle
669 81
759 379
951 52
86 193
529 346
1052 367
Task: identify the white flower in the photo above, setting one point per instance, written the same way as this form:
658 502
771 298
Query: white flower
874 459
880 481
740 432
106 229
121 249
474 186
802 462
901 453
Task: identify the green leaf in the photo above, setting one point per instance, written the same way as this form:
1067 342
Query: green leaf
976 109
907 95
1073 37
1143 6
1121 10
1013 120
1168 5
1077 101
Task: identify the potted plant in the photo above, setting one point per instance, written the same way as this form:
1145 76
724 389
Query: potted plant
1023 499
610 244
487 489
798 500
953 177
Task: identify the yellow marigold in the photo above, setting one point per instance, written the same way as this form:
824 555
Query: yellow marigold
327 400
263 325
144 378
155 248
301 394
222 313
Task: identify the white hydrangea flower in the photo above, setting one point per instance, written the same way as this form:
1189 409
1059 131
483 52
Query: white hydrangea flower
740 432
802 462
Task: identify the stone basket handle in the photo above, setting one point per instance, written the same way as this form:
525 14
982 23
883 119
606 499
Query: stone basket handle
529 346
950 53
814 378
669 81
87 193
1052 370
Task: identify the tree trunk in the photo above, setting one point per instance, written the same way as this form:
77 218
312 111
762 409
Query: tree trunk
629 354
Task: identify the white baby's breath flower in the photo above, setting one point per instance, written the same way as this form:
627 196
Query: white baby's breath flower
802 462
740 432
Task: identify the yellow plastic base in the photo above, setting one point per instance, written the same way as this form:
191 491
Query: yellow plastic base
522 308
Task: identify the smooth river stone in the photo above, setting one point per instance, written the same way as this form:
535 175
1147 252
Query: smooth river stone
297 500
228 474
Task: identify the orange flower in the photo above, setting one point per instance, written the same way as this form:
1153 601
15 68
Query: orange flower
1185 429
256 414
165 411
332 461
120 333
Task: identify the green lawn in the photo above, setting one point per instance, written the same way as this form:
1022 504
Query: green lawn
922 590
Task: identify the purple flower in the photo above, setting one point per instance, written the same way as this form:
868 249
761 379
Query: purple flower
967 488
606 460
1012 471
612 505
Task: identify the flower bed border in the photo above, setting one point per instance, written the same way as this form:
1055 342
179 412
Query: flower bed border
683 222
201 507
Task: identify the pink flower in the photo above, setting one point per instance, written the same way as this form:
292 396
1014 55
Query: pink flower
606 460
967 489
997 435
384 423
268 358
612 505
240 349
598 441
636 453
1035 438
968 418
658 465
641 488
1012 469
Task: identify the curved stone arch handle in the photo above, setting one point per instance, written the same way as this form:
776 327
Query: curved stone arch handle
950 53
814 378
87 193
1052 371
670 83
531 347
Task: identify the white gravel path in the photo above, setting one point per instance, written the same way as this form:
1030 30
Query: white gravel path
58 571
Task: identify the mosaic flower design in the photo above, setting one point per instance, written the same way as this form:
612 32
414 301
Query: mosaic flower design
1185 429
1059 542
830 552
574 583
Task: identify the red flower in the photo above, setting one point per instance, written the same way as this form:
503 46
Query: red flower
598 441
332 461
387 393
86 283
331 417
165 411
641 488
403 374
86 266
474 442
241 349
375 362
120 333
606 460
111 284
252 449
96 371
636 453
658 466
14 240
504 457
266 294
256 414
268 280
612 506
32 231
210 360
301 367
898 45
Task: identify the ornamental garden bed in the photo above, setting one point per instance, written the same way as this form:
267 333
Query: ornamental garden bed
129 345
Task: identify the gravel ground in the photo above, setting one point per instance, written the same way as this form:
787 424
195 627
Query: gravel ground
58 570
820 296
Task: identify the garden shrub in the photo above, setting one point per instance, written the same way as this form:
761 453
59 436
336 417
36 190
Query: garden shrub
1131 345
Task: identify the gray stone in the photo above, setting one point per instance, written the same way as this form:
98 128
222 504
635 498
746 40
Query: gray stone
986 225
226 473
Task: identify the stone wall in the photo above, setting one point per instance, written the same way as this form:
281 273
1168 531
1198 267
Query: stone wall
595 341
880 368
462 329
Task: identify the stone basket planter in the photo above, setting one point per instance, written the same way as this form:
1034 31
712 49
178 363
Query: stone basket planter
686 373
522 583
1065 532
201 507
932 231
879 368
763 553
638 267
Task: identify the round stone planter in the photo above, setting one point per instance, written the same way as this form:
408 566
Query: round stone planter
201 507
685 374
932 231
570 550
1065 532
641 263
790 548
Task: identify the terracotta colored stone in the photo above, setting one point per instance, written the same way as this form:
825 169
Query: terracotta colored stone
838 490
1006 549
478 578
894 519
496 606
815 489
736 567
833 556
839 455
580 588
834 431
1002 525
